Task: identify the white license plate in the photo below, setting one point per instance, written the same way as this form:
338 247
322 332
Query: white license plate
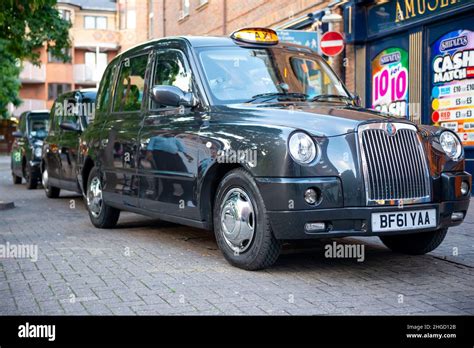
403 220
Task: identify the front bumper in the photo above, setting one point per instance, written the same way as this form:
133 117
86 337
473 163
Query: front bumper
289 223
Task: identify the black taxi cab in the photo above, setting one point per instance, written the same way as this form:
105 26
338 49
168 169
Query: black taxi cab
69 117
261 142
27 148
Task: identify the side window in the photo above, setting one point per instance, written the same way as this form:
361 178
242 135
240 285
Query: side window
171 70
105 89
130 84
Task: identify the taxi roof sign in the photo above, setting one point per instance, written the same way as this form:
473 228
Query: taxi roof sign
263 36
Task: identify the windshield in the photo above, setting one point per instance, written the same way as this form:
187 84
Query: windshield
38 125
239 74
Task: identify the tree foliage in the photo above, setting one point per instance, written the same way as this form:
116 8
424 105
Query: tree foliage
25 26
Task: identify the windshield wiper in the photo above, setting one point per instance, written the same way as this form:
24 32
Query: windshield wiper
279 95
329 96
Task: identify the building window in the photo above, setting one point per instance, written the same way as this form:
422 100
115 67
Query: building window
54 59
184 8
127 14
95 22
56 89
65 14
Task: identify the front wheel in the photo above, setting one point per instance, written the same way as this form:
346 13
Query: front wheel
415 244
30 178
241 224
51 191
101 214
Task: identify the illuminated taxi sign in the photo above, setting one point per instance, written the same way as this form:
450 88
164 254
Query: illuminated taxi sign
256 35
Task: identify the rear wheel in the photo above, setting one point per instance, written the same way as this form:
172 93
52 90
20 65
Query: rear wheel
241 224
415 244
51 191
101 214
16 179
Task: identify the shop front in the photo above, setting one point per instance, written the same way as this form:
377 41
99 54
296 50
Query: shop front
417 60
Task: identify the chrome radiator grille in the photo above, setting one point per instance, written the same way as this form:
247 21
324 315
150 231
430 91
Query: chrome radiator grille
395 167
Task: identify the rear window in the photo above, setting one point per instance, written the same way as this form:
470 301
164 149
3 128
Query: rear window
38 125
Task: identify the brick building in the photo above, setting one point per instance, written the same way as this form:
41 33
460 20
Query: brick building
159 18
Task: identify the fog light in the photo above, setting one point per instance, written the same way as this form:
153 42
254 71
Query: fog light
315 226
311 196
464 188
456 216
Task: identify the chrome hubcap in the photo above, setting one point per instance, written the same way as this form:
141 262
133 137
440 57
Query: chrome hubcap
237 220
44 179
94 197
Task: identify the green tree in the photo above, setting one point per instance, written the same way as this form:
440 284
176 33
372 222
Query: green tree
25 26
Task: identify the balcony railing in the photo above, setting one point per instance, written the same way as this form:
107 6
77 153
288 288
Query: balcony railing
32 73
29 104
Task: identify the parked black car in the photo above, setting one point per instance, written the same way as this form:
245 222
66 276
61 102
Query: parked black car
70 115
26 149
261 142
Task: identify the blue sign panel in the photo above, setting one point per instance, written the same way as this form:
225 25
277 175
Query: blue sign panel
305 38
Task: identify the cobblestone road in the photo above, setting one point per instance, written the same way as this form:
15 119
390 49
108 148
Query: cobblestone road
149 267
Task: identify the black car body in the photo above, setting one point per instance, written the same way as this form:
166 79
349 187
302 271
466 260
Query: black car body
26 149
69 117
262 143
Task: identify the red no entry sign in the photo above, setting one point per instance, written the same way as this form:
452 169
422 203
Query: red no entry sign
332 43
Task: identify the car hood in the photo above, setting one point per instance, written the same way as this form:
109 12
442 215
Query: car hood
319 119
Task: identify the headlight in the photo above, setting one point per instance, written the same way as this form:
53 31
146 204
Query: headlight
302 148
450 144
38 152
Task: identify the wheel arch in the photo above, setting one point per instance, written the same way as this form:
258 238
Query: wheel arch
208 188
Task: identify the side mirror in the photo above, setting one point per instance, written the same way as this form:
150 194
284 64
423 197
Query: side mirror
17 134
356 99
172 96
70 126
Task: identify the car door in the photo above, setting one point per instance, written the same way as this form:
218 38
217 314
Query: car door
169 144
52 160
119 135
69 143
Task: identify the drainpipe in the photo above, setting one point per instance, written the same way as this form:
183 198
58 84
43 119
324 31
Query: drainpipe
164 18
224 19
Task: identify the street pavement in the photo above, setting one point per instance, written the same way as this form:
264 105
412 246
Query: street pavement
150 267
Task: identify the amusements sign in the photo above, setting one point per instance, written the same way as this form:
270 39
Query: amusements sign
452 81
390 82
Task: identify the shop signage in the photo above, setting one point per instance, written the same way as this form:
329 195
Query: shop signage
299 37
332 43
390 82
392 14
452 81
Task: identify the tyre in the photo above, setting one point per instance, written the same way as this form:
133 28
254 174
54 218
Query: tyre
101 214
51 191
16 179
241 224
31 180
415 244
